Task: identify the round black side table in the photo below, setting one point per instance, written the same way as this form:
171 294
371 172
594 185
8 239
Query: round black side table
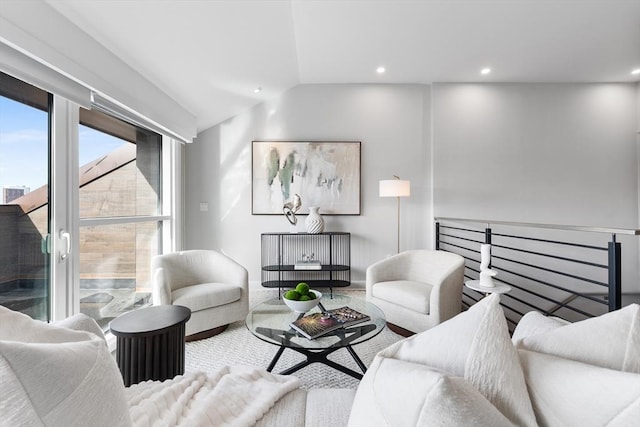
150 343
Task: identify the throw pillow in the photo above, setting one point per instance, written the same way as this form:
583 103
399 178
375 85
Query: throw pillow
81 322
56 376
474 345
569 393
611 340
534 323
15 326
402 393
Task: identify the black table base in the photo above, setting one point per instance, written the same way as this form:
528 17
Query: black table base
320 355
158 357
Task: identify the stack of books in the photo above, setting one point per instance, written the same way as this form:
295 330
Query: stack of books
307 265
317 324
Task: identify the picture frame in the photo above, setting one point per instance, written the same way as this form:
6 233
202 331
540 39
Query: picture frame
323 173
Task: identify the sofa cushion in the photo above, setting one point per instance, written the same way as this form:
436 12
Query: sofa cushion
288 411
56 376
328 407
406 293
474 345
206 295
565 392
401 393
611 340
325 407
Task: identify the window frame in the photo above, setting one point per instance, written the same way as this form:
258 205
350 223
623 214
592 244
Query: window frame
64 272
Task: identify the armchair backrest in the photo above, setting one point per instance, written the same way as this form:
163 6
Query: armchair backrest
197 266
427 265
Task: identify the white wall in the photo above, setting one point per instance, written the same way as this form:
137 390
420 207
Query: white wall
545 153
391 121
562 154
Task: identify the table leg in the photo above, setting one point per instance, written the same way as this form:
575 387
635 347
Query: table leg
275 359
321 357
359 361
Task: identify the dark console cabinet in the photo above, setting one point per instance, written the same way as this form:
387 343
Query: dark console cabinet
282 253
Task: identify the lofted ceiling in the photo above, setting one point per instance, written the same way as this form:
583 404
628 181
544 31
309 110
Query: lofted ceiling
210 55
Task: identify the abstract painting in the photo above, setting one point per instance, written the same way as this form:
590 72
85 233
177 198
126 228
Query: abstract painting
324 174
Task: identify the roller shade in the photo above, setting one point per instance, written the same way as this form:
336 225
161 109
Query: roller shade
107 106
27 69
21 66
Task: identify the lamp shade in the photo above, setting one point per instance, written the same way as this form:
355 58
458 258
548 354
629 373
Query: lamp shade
395 188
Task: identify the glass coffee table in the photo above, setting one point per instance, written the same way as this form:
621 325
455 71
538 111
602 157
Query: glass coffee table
269 321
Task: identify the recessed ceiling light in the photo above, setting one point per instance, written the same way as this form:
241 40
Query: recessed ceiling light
636 71
380 70
485 71
257 90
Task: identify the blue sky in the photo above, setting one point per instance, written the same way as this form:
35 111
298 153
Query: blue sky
23 145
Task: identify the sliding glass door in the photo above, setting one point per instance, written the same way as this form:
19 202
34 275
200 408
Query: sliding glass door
25 118
86 204
120 214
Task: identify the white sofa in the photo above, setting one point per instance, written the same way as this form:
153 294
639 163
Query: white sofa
466 371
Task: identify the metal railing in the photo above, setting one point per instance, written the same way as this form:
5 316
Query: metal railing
572 272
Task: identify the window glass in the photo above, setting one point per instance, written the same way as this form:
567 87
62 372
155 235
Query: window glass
24 202
115 268
119 168
120 176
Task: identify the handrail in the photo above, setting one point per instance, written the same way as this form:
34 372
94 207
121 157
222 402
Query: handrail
549 265
608 230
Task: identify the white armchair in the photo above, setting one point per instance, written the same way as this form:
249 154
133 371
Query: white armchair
417 289
212 285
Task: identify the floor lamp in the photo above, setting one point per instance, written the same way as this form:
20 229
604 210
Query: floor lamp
395 188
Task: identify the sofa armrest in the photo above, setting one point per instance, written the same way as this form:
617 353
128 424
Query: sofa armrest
81 322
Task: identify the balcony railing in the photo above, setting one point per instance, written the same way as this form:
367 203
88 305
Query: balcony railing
572 272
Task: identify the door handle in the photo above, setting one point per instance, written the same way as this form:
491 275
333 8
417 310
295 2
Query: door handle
64 235
45 244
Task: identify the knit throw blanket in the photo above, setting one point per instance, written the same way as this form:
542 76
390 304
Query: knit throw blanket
229 397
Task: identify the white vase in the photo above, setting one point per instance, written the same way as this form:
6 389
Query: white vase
314 222
485 256
486 275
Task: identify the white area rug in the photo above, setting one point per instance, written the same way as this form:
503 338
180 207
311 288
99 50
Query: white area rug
237 346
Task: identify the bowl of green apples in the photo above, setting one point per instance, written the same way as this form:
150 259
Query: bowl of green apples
301 299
